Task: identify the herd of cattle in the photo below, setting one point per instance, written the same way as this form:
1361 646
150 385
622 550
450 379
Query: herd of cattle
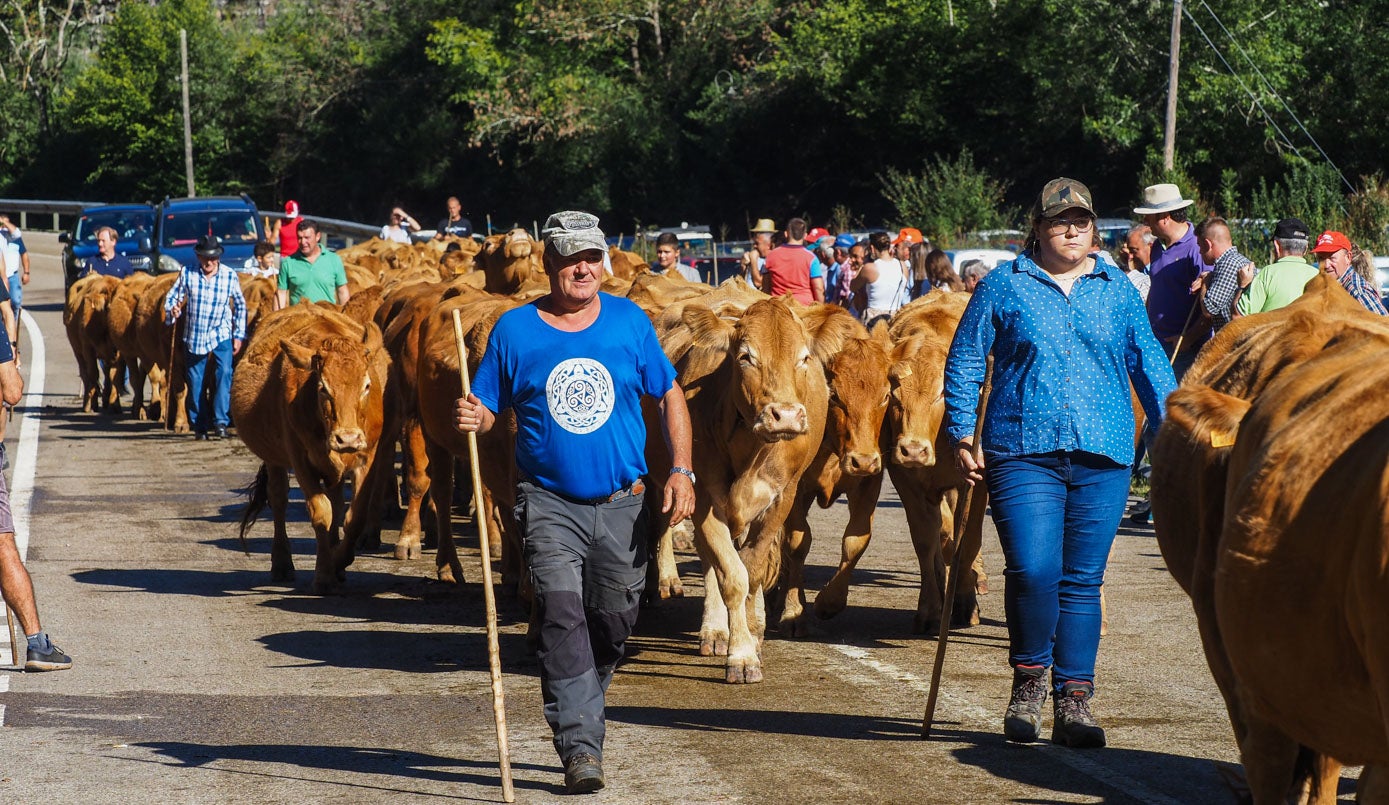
1269 485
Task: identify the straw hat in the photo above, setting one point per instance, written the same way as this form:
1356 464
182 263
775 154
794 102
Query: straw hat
763 225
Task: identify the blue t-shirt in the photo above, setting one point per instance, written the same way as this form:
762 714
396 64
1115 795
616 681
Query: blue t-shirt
577 396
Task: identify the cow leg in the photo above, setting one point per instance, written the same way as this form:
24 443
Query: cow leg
137 388
447 566
668 584
1270 761
713 631
863 501
111 386
793 621
415 467
277 491
924 521
322 515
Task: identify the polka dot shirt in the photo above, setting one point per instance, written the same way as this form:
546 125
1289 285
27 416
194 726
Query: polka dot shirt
1062 364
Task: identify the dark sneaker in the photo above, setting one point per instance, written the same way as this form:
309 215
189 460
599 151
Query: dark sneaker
54 660
1023 721
583 774
1142 512
1073 725
220 433
200 436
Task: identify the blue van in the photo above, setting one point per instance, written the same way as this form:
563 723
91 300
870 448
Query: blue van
181 221
134 225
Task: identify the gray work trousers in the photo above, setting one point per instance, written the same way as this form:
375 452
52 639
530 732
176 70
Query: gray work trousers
588 564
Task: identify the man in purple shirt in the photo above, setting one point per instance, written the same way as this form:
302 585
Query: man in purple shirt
1176 265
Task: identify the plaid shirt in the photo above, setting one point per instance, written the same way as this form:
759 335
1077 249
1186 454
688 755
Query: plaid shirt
216 308
1224 285
1363 292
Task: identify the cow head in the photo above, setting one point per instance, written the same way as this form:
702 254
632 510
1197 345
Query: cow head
859 394
509 261
773 369
344 376
917 405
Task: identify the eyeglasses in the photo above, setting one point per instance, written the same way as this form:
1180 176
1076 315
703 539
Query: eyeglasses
1057 226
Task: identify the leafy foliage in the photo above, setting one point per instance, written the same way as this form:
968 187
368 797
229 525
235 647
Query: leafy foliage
949 198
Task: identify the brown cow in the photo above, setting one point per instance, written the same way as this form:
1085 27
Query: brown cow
307 396
511 263
919 455
126 339
156 346
849 462
85 315
1231 487
259 293
757 399
439 385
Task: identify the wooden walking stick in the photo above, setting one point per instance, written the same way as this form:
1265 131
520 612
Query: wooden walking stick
494 657
14 640
969 528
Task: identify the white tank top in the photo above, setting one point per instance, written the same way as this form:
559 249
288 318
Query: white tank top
887 291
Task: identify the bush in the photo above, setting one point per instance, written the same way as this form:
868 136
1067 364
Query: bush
947 199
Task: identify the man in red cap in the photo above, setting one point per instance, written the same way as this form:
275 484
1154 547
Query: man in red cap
902 246
286 232
1333 256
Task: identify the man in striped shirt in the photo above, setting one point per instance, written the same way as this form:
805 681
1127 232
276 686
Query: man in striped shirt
1333 256
215 328
1222 281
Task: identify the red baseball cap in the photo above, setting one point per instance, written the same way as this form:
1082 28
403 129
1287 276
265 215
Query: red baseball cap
292 208
910 235
1331 242
815 234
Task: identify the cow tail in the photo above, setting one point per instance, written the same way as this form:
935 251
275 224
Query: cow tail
1306 773
257 496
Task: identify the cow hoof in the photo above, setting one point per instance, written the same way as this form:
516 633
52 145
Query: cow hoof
743 672
715 646
981 586
406 551
671 588
141 415
445 575
798 626
282 574
965 614
827 605
926 626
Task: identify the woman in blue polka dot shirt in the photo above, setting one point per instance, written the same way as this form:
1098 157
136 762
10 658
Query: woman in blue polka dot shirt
1067 332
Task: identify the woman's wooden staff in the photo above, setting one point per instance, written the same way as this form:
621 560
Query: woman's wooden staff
494 657
969 529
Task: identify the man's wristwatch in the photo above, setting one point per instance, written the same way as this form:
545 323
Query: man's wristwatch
685 471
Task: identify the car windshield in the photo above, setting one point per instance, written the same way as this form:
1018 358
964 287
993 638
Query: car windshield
231 226
127 223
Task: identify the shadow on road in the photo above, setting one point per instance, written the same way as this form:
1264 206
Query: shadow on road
406 652
778 722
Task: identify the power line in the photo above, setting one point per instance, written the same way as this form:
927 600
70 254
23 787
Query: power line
1287 141
1270 88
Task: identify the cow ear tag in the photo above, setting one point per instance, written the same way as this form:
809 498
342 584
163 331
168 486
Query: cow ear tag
905 373
1220 438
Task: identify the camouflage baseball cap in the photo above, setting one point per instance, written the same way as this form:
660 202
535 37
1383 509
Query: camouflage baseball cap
1063 194
571 232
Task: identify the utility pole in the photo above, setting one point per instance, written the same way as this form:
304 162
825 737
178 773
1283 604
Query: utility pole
1169 136
187 123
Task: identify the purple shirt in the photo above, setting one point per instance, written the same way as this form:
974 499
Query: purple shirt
1173 270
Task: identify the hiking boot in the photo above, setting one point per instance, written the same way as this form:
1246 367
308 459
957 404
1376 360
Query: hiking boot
52 660
1073 725
200 436
220 433
1142 512
1023 721
583 774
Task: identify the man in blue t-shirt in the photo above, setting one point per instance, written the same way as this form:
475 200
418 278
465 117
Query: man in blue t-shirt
573 366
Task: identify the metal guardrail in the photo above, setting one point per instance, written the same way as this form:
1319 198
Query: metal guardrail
58 216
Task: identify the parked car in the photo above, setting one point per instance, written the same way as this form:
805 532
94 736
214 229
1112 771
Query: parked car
134 225
990 257
181 221
1382 275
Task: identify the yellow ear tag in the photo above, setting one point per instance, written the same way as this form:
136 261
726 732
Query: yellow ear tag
905 373
1221 438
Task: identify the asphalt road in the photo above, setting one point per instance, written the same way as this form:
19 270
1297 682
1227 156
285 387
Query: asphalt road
197 680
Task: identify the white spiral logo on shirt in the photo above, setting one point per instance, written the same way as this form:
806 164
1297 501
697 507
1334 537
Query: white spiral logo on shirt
580 394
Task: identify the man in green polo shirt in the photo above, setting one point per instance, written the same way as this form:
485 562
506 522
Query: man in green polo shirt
1278 284
312 273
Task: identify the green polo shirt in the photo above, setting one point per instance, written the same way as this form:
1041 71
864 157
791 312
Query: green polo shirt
1276 285
317 281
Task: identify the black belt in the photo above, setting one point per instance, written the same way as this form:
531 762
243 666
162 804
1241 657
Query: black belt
638 487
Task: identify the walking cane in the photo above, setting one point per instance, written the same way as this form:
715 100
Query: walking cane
970 528
14 640
1172 361
494 657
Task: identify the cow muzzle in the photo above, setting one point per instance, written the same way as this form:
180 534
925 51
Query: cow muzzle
781 421
347 440
861 464
914 453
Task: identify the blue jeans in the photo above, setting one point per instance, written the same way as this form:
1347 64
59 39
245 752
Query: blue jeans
16 286
221 356
1056 516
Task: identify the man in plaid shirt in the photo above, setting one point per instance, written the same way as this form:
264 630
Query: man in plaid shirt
1333 255
215 328
1222 282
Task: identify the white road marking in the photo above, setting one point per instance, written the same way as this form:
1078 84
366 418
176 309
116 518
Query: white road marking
25 463
974 713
